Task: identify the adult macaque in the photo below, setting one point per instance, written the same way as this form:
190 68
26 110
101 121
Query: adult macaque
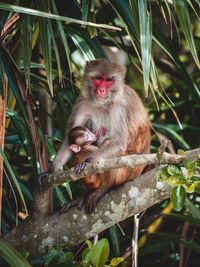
107 105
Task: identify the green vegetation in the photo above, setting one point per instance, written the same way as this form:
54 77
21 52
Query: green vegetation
43 48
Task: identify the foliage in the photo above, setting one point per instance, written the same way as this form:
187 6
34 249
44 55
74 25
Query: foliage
42 53
182 179
11 256
94 255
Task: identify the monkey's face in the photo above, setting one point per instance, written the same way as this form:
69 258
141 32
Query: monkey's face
89 137
103 80
102 85
85 138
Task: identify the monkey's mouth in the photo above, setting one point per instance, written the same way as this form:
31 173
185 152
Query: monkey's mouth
102 98
96 133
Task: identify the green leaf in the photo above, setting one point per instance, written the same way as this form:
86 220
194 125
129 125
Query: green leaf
56 51
181 70
7 64
46 46
11 256
37 13
116 261
86 255
85 6
59 194
173 170
190 187
162 245
13 177
184 218
181 152
83 46
172 134
123 8
89 243
68 259
163 174
195 179
23 134
184 20
176 180
115 239
178 196
90 48
197 188
99 253
193 210
191 245
145 21
26 36
25 254
189 165
63 37
171 181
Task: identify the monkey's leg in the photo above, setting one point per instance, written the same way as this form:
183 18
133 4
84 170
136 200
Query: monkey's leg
91 200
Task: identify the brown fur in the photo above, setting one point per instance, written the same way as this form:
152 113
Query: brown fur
121 113
93 181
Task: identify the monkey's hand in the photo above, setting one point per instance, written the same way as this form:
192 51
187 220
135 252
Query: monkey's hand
42 176
81 166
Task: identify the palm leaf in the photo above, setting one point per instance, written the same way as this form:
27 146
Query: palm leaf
11 256
184 20
12 175
43 14
46 44
26 36
145 22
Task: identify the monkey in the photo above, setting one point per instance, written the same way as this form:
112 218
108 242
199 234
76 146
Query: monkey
79 137
107 105
80 142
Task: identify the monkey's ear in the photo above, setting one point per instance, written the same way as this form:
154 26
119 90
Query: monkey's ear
122 71
75 148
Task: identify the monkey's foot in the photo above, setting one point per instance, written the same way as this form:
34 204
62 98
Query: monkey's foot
69 205
91 200
81 166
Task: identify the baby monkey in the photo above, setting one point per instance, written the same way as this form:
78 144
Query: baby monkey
81 141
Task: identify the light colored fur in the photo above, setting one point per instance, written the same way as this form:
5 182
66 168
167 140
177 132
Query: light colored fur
121 113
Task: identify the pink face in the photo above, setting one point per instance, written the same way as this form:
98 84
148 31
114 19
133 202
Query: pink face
90 137
102 85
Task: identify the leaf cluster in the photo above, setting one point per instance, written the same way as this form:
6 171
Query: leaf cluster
183 179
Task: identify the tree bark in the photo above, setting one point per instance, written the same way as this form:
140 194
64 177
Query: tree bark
39 233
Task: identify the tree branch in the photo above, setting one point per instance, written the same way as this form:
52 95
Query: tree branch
39 232
103 165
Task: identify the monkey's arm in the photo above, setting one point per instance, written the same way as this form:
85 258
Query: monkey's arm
78 117
63 155
109 149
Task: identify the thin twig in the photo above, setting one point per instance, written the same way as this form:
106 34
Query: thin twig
135 241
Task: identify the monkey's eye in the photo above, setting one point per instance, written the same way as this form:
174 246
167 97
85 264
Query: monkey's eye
109 79
98 78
